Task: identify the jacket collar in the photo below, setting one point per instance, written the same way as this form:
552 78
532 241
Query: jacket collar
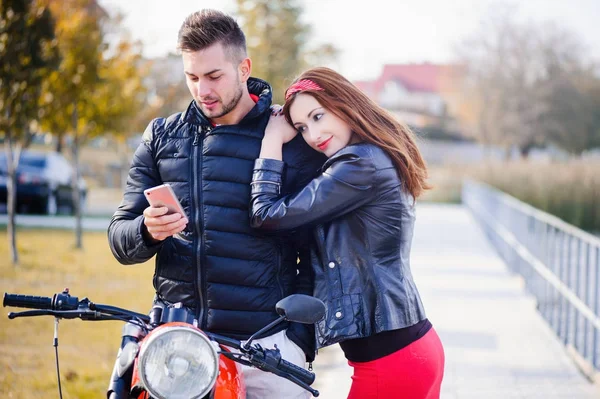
256 86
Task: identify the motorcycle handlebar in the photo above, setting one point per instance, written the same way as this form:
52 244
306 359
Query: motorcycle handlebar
60 301
265 359
268 356
302 374
27 301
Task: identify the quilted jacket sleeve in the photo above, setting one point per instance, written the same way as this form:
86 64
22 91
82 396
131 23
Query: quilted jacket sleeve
126 228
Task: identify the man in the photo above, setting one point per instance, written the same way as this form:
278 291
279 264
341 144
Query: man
230 275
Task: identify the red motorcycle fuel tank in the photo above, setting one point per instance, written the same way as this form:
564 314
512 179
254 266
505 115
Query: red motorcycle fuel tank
230 383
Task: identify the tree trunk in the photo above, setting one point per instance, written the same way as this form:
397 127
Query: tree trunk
59 143
12 160
75 183
524 150
125 163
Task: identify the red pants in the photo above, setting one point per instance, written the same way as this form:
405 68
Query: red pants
413 372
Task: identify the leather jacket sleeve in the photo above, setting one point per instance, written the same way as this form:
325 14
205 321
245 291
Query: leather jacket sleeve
126 228
344 186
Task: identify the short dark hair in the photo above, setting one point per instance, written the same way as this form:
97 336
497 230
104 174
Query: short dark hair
204 28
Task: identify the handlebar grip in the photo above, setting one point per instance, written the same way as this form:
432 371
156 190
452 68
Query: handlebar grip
302 374
27 301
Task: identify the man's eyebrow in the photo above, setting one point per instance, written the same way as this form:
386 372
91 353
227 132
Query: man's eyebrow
211 72
206 74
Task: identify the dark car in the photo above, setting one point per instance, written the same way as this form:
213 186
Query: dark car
44 183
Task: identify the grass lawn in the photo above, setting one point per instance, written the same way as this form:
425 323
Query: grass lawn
48 264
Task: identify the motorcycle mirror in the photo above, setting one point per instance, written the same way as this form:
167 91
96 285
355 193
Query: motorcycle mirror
301 308
298 308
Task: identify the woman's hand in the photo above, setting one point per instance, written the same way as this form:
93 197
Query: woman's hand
277 133
278 128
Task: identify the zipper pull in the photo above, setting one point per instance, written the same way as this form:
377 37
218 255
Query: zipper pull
202 131
198 134
310 368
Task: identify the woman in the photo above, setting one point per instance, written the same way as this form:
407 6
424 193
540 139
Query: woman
362 211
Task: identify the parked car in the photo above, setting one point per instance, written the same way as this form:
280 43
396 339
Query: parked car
44 183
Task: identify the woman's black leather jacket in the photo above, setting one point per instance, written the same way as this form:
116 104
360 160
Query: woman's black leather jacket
363 226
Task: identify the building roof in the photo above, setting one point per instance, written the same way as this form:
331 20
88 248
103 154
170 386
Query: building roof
426 77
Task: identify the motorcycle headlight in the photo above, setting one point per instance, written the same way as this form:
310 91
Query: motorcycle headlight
178 362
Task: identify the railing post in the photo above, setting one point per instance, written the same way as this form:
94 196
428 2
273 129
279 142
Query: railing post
595 354
567 281
587 298
578 266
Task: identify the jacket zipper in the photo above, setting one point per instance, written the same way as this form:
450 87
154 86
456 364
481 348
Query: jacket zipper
278 277
197 189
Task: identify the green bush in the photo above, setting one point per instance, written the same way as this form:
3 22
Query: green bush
569 190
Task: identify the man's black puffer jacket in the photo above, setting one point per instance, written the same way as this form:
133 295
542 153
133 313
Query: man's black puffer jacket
230 274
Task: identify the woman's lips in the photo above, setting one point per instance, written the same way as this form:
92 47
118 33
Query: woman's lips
324 144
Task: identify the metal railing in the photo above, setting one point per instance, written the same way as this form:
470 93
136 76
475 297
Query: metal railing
560 265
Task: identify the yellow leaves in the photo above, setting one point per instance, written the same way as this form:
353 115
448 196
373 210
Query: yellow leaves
129 88
40 11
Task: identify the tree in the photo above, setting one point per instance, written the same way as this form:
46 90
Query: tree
592 91
500 63
276 40
167 92
122 76
522 88
72 84
568 91
95 87
27 53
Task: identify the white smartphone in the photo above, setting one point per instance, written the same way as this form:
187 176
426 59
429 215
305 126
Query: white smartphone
163 195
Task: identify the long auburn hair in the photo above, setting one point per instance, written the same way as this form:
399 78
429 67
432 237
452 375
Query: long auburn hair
370 122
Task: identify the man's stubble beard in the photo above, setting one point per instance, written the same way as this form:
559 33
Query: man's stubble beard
227 108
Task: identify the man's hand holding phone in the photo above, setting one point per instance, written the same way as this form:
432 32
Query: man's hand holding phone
165 216
160 224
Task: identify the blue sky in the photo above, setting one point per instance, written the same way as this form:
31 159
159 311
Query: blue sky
371 33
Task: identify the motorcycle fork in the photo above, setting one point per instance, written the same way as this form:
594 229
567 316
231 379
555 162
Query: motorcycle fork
119 386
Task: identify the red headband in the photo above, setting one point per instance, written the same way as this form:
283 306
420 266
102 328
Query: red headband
301 85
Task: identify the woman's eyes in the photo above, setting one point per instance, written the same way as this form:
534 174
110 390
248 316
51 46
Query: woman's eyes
315 118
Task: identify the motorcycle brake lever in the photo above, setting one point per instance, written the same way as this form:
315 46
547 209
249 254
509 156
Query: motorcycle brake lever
28 313
236 357
62 314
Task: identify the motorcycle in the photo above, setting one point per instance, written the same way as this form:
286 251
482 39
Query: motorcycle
165 355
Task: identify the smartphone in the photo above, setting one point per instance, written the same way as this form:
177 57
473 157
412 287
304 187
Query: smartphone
163 195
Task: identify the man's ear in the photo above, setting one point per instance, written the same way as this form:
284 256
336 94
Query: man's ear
245 68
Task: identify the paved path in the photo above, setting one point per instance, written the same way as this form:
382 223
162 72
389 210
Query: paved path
497 346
